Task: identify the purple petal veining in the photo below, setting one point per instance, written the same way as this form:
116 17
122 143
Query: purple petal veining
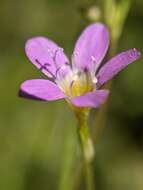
78 78
46 55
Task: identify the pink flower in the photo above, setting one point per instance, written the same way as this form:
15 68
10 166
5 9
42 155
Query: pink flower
79 82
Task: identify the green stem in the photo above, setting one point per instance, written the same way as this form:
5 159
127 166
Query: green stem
89 177
86 147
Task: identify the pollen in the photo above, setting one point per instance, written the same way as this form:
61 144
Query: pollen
78 83
82 83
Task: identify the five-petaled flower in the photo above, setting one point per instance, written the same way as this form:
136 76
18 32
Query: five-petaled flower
80 82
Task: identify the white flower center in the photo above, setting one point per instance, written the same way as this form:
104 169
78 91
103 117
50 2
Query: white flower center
78 83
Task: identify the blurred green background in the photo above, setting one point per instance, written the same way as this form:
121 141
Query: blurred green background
38 141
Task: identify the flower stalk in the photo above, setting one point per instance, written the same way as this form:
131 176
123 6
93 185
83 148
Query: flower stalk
87 147
85 139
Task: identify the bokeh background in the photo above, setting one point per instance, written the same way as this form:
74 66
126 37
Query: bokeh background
38 141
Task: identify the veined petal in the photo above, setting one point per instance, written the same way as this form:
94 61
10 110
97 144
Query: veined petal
41 90
46 55
91 47
116 64
91 99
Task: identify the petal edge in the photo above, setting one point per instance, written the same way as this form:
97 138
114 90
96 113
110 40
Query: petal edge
116 64
91 47
40 89
91 99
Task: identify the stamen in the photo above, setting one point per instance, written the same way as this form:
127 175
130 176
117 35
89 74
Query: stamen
51 53
63 67
135 52
93 59
61 49
70 88
94 80
55 55
75 77
57 71
75 53
61 88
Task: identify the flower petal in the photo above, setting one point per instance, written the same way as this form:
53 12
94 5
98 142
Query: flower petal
91 47
46 55
116 64
91 99
41 90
